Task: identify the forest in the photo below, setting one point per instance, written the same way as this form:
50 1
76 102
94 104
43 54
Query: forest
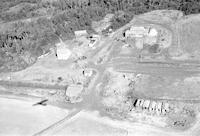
24 41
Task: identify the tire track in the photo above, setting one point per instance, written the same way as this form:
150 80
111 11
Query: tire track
58 124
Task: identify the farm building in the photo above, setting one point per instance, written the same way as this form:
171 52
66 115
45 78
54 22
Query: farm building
137 31
152 106
165 108
93 40
150 40
139 43
80 33
146 104
140 103
62 52
87 72
74 90
152 32
158 108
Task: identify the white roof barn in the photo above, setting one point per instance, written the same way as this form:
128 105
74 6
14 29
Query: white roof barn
80 33
87 72
153 32
62 52
74 90
137 31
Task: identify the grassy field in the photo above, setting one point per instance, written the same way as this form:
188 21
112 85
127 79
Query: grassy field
189 35
18 117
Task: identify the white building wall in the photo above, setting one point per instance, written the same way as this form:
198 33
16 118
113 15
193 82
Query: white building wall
80 33
62 52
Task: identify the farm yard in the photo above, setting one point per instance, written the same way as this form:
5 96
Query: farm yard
143 75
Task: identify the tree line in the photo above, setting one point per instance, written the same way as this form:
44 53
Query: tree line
66 16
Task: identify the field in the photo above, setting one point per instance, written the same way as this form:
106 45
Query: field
19 117
80 124
124 74
189 35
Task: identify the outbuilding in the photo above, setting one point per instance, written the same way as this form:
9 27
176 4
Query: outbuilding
152 32
87 72
93 40
139 43
165 108
141 102
152 107
158 108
